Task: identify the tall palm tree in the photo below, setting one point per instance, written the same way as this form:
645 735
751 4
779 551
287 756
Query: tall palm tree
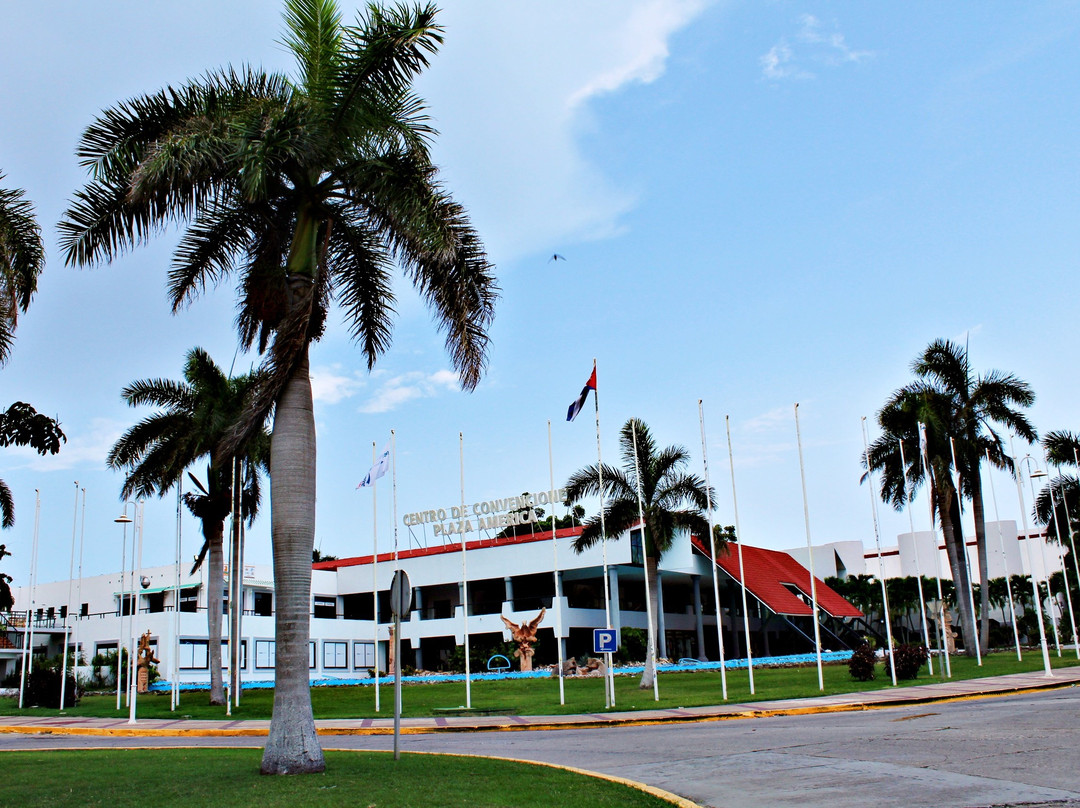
899 420
22 257
197 413
977 406
672 500
1062 448
308 189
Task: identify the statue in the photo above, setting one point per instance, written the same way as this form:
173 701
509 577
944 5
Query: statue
945 630
525 635
390 659
144 660
592 667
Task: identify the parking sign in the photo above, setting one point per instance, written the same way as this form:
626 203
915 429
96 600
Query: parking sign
605 640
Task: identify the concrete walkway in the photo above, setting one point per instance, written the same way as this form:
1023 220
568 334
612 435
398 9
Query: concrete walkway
887 697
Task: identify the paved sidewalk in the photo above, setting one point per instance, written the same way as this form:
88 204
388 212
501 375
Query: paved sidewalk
918 694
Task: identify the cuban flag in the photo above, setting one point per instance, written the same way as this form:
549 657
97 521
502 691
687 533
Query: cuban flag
379 469
575 408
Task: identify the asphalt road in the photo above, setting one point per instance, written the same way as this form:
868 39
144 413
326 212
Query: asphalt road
1005 751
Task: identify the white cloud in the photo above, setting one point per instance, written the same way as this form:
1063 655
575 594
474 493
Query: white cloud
782 61
330 386
510 92
87 450
406 387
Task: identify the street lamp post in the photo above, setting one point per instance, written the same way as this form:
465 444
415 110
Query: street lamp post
137 582
1034 585
1032 474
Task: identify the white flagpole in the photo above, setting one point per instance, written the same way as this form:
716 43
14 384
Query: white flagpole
132 608
176 599
738 546
67 610
930 488
136 583
810 553
78 595
1045 566
712 560
375 576
397 634
609 685
918 565
1061 555
28 632
967 559
1034 585
881 561
1072 544
118 671
464 574
1005 564
650 660
557 602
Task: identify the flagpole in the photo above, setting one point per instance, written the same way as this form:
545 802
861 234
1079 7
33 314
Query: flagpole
78 590
28 633
1027 546
931 492
738 546
967 559
374 574
176 601
810 553
881 561
557 602
397 634
712 561
609 685
136 583
1061 554
918 566
464 574
1005 563
67 611
1045 564
650 654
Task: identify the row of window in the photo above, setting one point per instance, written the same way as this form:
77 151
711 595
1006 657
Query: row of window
194 654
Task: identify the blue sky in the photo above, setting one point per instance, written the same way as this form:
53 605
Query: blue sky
759 203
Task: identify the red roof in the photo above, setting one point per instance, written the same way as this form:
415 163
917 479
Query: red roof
451 547
767 572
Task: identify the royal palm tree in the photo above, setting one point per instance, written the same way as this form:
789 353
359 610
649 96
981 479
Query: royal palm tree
978 406
308 189
22 257
899 420
672 501
197 413
1062 449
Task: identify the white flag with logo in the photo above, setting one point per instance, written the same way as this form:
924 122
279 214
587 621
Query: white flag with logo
378 470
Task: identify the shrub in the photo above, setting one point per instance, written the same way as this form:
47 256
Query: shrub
43 689
633 645
909 660
861 664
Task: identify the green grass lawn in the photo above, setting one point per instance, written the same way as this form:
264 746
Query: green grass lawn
541 696
230 777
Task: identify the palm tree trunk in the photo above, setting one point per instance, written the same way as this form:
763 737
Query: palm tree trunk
979 513
648 676
213 530
292 746
958 565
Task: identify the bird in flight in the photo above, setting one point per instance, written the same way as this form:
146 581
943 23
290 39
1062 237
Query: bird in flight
556 257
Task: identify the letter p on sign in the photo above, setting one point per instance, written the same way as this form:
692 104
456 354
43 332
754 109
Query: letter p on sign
605 641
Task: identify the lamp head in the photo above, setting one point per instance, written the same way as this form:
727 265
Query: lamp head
123 519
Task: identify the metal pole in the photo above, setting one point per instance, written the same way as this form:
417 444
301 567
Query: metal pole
810 552
557 602
931 487
397 617
738 545
67 608
609 684
651 634
712 560
175 689
1032 474
374 574
28 629
136 579
1034 586
464 577
967 558
78 596
124 520
1061 557
918 566
1005 564
881 561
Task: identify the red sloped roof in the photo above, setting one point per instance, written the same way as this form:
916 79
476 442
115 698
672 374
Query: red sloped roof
766 573
449 547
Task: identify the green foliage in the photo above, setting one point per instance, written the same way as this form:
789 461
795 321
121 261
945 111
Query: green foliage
909 660
861 664
633 645
479 655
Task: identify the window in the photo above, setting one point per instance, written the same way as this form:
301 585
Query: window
264 603
50 613
63 612
193 655
225 655
104 648
189 600
312 660
155 602
637 554
265 655
335 655
363 655
325 606
127 602
84 611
